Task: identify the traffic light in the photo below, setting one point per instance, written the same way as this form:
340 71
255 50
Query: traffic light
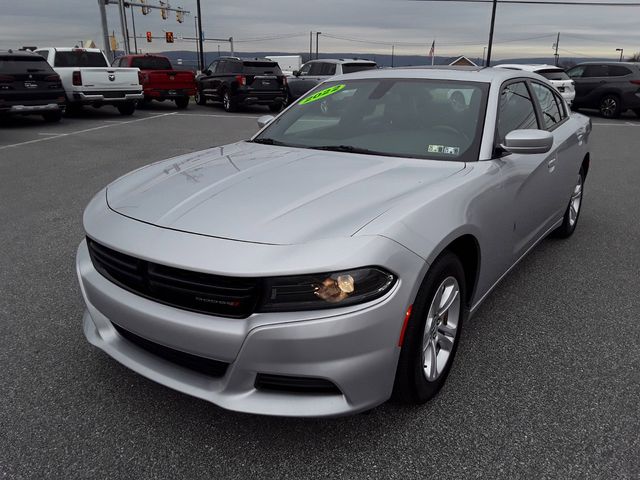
149 37
168 36
163 11
145 9
180 15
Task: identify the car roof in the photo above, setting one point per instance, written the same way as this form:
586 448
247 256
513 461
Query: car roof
70 49
610 62
247 59
19 53
341 60
531 67
469 74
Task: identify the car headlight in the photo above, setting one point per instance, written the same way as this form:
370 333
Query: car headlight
325 290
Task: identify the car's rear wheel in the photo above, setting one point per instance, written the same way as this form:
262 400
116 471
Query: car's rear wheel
227 102
200 98
432 331
182 102
610 106
52 117
127 108
572 213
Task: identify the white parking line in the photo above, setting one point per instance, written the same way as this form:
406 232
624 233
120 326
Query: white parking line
216 116
51 134
83 131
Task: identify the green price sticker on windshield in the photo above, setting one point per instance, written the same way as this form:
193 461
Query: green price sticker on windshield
322 94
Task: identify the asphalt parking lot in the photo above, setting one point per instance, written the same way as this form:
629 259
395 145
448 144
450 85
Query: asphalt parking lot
546 382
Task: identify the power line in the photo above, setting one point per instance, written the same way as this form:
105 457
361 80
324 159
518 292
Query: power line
542 2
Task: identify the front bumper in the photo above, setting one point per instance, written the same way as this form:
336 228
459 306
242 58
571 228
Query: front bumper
355 348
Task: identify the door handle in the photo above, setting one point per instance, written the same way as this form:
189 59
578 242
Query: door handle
551 164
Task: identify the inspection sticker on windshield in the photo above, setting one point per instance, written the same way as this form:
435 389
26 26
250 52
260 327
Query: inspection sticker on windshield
323 93
443 149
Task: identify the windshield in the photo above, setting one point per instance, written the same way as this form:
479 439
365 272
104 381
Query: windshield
80 58
553 74
151 63
434 119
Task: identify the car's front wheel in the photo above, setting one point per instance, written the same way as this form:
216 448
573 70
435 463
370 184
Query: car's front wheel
227 102
432 331
610 106
200 98
572 213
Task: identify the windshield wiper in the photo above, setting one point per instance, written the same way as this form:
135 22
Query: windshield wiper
268 141
347 148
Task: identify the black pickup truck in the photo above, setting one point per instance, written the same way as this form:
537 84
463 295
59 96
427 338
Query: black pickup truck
242 81
28 85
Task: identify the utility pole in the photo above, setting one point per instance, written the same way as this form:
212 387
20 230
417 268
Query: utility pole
197 37
556 47
133 24
392 53
105 30
317 37
200 45
123 27
493 21
310 45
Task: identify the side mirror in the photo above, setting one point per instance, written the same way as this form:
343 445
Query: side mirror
265 120
296 73
528 141
207 72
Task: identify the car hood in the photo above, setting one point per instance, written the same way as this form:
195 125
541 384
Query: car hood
268 194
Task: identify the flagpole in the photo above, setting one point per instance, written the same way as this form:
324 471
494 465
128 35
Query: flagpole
433 52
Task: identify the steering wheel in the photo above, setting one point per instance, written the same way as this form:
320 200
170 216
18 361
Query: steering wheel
450 129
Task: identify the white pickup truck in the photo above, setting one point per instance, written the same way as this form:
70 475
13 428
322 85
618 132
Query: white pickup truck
88 79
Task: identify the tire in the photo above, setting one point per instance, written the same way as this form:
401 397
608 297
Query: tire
275 107
637 112
610 106
127 108
572 213
228 103
182 102
415 381
52 117
73 108
200 98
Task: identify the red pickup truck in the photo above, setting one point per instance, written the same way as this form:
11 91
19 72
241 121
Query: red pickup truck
159 80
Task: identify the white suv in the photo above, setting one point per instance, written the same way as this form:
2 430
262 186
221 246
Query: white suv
556 76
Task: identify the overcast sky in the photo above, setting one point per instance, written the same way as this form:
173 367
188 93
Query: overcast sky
458 28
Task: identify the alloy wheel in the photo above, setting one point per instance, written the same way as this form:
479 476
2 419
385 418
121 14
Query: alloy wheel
441 328
576 201
608 107
226 101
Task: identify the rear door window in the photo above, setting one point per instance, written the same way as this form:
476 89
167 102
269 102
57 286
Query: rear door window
357 67
261 68
551 110
11 64
596 71
80 58
516 110
328 69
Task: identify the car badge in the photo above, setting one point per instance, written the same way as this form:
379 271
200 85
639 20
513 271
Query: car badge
112 77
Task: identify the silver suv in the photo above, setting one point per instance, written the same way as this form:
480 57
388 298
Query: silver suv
316 71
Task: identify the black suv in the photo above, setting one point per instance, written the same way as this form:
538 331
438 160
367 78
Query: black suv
242 81
611 87
29 85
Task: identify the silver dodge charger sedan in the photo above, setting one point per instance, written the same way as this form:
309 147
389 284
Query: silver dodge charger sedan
329 262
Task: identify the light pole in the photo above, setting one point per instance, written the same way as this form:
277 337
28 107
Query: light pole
621 50
133 24
317 37
493 21
200 42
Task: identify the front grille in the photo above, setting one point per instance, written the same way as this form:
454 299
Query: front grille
185 289
286 383
207 366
